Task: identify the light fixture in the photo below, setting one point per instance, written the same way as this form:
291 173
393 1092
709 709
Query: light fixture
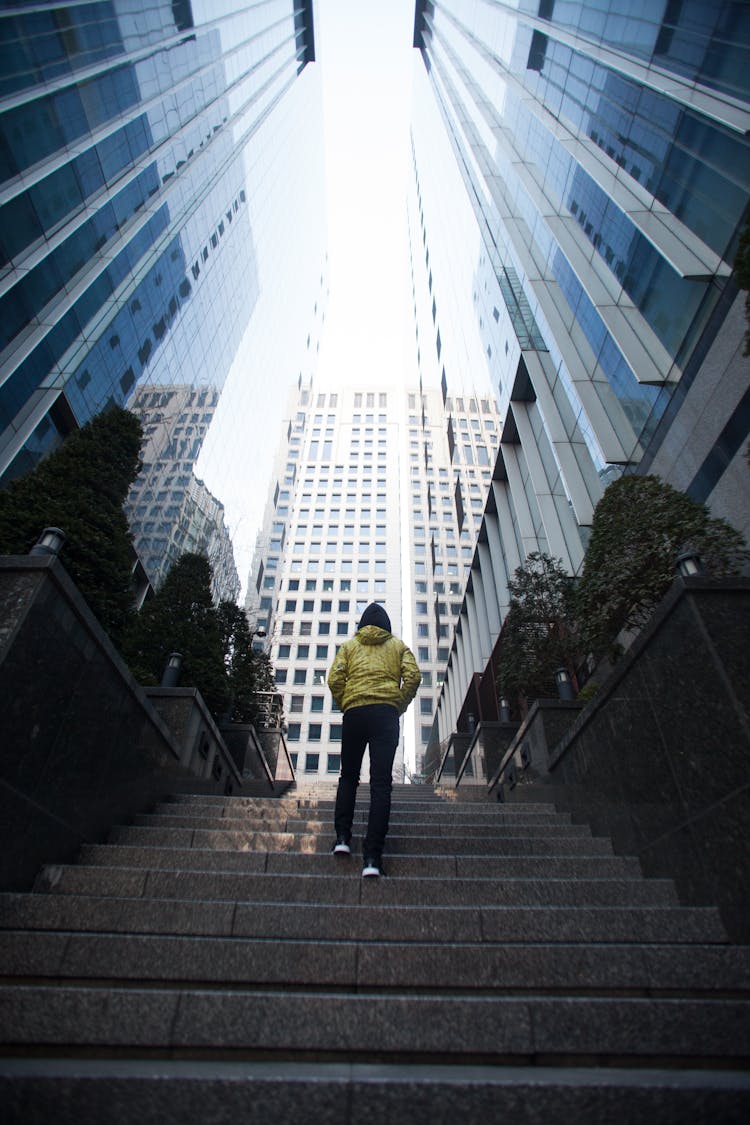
504 710
260 632
564 685
50 542
689 564
171 674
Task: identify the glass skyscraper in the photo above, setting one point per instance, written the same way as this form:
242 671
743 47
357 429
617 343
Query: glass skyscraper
143 149
595 159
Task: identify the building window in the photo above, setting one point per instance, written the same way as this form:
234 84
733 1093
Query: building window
296 703
305 628
321 652
314 731
300 675
316 702
284 651
334 734
334 763
319 677
293 732
312 762
280 675
324 628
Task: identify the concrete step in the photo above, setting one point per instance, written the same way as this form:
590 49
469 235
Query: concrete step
632 968
71 1091
321 921
250 841
299 863
222 886
295 824
276 810
497 816
377 1026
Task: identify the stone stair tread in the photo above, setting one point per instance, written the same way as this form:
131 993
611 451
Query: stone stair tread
349 887
653 924
477 966
204 859
269 840
224 1092
292 825
218 931
498 814
462 1027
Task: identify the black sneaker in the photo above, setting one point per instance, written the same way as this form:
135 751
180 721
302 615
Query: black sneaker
372 868
342 846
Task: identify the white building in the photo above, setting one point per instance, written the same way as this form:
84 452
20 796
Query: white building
377 496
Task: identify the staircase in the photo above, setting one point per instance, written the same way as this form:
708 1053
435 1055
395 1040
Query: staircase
213 962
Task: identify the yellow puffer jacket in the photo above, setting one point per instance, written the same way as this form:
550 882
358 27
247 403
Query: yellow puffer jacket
374 667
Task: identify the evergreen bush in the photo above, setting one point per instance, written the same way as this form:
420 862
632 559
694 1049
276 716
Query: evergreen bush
81 487
539 632
641 525
182 618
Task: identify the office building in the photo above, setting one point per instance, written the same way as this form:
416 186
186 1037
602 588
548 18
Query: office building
451 448
150 212
602 152
377 495
330 545
169 509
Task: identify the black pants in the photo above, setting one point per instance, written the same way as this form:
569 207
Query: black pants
376 724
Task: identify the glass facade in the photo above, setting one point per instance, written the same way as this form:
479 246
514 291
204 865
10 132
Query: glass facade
603 152
134 142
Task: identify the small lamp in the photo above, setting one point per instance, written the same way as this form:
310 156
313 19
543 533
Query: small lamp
260 632
504 709
50 542
689 564
564 686
171 674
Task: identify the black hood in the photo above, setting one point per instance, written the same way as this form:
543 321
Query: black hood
375 615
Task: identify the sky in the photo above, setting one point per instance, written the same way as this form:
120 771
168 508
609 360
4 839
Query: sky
364 50
364 59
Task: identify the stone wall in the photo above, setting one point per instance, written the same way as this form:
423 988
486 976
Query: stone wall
660 759
81 748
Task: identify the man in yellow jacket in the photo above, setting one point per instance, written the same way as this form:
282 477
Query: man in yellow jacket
373 680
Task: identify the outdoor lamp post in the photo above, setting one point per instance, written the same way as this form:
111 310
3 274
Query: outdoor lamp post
504 709
171 674
50 542
689 564
564 685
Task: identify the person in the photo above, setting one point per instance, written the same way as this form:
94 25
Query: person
373 679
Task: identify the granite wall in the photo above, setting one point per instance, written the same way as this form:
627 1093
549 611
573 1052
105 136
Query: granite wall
81 748
660 759
485 752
